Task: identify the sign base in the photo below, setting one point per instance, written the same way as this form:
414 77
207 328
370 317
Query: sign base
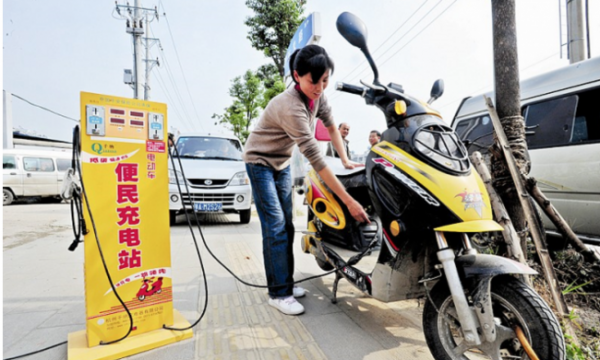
78 349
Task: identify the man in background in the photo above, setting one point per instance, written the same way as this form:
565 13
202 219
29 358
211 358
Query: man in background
374 137
344 131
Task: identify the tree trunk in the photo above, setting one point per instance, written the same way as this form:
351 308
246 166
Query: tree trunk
508 105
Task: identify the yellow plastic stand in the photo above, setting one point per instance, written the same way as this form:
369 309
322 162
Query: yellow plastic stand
78 349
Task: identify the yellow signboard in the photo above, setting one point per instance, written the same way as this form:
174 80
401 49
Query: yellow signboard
124 170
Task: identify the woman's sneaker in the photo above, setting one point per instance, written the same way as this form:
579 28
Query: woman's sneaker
287 305
299 292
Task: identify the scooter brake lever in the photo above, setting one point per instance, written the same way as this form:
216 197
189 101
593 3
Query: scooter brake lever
373 86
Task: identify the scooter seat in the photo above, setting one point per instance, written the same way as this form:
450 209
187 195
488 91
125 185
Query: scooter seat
335 164
350 178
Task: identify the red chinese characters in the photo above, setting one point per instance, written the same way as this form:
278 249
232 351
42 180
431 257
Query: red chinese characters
129 215
151 166
127 172
129 236
127 193
130 260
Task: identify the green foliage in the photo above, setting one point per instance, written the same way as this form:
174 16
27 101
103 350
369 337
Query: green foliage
247 90
272 82
234 119
269 94
268 74
273 26
271 30
572 316
574 288
247 93
574 352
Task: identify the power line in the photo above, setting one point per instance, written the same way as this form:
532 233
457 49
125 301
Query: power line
44 108
175 88
162 84
181 67
389 37
409 41
171 78
337 95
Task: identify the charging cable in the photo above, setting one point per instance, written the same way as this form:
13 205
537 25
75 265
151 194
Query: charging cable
174 147
76 202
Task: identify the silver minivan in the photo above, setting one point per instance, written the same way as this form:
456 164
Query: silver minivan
33 173
562 123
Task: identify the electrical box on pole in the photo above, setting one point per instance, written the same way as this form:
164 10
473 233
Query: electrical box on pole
134 16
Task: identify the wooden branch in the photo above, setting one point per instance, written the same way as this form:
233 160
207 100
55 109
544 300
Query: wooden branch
511 238
536 234
560 223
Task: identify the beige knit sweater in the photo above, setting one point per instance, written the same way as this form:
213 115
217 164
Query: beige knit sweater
286 121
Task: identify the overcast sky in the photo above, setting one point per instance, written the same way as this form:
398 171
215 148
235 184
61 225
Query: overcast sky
53 50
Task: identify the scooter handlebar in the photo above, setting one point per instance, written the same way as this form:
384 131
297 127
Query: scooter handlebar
352 89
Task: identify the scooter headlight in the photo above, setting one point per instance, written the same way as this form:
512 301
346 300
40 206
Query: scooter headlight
441 146
425 142
240 178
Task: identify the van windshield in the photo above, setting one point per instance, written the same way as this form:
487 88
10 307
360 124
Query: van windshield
209 148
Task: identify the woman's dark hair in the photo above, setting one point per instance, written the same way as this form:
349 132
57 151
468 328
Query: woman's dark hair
311 59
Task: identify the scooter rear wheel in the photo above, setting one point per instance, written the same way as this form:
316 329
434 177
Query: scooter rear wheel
513 302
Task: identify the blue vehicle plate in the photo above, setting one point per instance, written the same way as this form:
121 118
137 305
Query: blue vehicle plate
202 206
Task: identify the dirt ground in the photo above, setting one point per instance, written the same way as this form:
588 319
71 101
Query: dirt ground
580 282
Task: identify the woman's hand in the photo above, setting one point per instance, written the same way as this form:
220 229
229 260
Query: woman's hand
351 164
357 211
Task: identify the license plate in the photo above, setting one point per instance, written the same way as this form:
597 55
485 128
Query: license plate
202 206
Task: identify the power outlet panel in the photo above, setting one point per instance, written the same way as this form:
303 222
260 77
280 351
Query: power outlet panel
156 127
95 120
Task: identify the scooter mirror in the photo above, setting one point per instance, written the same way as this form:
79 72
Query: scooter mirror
353 30
436 90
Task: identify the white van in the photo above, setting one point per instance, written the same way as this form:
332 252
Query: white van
562 122
33 173
216 176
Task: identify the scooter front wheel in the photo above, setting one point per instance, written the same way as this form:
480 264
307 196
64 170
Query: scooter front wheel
513 303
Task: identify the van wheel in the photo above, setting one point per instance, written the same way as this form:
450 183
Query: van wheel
245 216
8 197
172 217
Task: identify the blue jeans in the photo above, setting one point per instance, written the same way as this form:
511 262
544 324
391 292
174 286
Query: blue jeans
272 192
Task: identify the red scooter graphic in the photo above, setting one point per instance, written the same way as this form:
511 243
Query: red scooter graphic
146 290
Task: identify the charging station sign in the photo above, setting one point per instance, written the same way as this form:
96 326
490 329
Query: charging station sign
124 171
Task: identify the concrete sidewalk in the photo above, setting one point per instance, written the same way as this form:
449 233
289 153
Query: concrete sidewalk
44 299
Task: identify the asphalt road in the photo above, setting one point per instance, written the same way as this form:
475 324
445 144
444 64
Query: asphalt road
44 297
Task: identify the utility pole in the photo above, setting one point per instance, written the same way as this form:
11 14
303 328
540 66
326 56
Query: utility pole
508 106
576 44
135 27
510 157
7 121
136 31
149 63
